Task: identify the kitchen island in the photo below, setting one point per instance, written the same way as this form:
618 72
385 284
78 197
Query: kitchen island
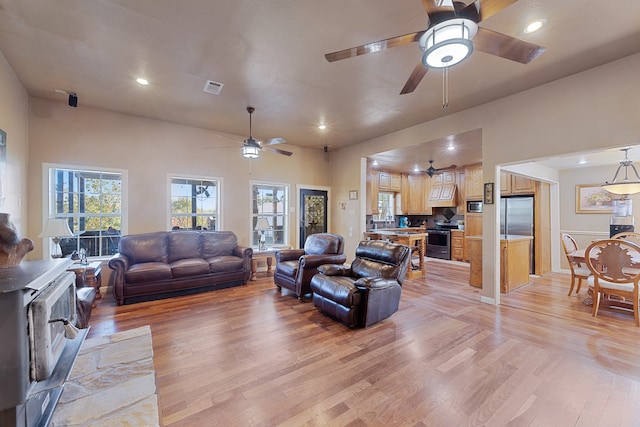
414 237
514 261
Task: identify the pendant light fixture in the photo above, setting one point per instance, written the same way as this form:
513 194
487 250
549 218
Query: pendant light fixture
625 185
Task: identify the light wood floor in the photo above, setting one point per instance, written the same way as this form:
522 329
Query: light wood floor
249 356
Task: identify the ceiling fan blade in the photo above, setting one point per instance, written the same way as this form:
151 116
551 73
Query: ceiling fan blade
489 8
415 78
279 151
504 46
447 168
274 141
374 47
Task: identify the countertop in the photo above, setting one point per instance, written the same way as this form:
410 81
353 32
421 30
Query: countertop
504 238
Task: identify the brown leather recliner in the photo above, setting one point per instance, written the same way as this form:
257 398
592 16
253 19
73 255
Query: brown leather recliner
296 267
369 290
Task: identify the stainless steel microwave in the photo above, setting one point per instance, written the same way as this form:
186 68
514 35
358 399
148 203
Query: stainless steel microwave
474 206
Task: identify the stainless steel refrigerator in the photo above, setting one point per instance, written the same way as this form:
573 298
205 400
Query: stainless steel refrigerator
516 218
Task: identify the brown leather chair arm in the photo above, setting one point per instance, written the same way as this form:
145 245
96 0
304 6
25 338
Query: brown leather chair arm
367 283
288 254
314 261
335 270
243 251
120 264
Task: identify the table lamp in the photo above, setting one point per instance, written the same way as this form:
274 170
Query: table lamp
56 228
262 225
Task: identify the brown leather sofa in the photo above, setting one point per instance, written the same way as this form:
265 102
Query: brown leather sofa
296 267
153 265
369 290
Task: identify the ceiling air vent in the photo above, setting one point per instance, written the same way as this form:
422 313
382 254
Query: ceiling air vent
213 87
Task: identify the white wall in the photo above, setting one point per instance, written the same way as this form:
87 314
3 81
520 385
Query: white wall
591 110
149 150
14 120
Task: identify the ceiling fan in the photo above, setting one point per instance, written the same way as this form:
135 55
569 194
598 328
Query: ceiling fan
432 171
447 40
251 148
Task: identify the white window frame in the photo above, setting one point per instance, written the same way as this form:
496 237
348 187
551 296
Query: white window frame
47 202
219 186
254 235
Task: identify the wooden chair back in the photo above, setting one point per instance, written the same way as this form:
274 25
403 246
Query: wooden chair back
628 235
615 265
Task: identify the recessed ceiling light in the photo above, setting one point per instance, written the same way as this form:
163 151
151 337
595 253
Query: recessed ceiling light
323 127
416 169
534 26
582 162
143 82
451 147
375 163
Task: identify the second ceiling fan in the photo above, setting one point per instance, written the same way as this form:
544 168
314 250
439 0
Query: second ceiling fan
450 37
251 148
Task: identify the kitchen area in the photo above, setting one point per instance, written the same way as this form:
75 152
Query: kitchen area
447 207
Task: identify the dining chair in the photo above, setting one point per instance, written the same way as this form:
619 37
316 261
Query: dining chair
628 235
615 265
579 271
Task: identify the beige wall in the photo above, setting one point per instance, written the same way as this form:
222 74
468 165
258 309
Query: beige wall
594 109
14 113
150 150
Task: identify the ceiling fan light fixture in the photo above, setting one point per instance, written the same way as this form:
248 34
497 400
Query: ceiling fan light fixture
250 149
624 186
448 43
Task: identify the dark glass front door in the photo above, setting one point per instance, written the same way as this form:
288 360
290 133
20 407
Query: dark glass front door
313 213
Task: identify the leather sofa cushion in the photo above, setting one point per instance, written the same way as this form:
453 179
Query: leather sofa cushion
184 244
189 267
218 244
141 248
220 264
147 272
288 268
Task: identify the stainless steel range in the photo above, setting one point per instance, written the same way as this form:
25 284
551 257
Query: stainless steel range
439 240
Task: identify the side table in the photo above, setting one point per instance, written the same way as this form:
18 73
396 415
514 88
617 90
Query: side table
267 255
88 275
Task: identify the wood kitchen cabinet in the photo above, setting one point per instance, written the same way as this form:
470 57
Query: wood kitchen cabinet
388 181
472 227
514 253
374 193
473 182
511 184
446 177
461 206
457 245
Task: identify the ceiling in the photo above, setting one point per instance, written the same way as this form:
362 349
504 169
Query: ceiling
271 55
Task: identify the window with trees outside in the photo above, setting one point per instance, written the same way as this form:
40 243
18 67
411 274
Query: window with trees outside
386 203
195 203
270 201
92 203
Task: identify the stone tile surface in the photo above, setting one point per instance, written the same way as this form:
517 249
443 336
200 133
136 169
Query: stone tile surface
112 383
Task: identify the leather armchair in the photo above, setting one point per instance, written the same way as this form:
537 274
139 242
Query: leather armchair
295 267
369 290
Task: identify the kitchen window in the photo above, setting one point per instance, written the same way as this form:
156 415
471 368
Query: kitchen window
386 207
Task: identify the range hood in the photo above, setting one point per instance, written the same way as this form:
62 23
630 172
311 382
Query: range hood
443 195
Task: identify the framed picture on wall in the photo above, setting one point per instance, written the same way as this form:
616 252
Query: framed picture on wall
488 193
592 198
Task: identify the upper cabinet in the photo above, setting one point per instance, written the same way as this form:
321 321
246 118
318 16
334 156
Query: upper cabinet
511 184
473 182
389 181
462 197
415 200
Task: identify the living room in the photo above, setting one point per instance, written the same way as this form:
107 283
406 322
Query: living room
592 110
